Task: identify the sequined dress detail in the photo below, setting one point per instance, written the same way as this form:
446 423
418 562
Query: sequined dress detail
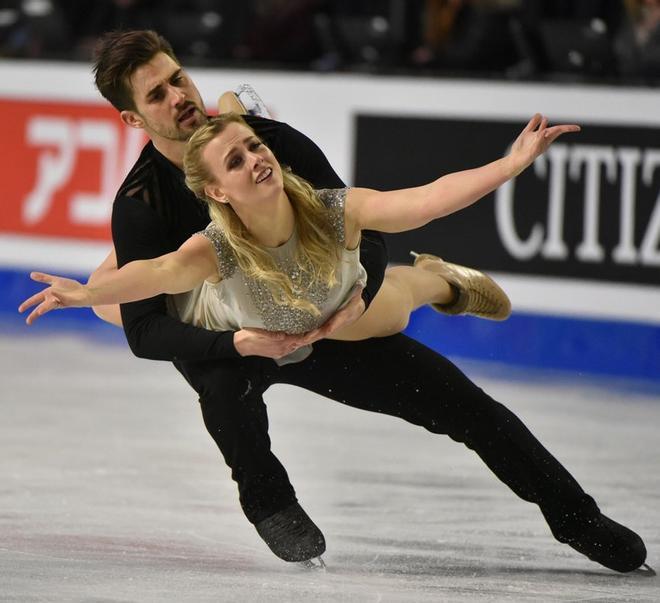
238 301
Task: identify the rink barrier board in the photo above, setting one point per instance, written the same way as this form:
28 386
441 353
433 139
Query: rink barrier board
571 344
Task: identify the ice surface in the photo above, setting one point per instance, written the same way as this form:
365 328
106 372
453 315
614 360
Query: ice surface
112 491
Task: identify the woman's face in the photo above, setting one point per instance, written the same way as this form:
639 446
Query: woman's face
245 170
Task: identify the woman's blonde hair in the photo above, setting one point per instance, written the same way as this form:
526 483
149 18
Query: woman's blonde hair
318 249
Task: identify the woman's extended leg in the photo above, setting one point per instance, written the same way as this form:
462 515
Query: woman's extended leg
449 288
404 289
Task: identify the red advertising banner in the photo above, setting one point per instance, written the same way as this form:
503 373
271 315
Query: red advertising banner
62 164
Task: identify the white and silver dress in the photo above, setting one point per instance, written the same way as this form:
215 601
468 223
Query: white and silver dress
238 302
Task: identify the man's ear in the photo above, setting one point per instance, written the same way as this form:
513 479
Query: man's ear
132 119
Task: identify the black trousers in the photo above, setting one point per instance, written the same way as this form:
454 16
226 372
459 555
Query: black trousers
396 376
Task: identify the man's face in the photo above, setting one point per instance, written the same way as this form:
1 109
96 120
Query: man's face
168 105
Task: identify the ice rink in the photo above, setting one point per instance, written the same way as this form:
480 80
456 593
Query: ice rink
112 491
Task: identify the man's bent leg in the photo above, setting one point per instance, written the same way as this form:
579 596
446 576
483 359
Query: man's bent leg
236 417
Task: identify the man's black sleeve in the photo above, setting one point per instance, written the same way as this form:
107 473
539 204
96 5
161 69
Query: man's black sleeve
139 233
299 152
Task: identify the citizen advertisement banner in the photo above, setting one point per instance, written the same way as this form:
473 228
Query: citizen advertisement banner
589 208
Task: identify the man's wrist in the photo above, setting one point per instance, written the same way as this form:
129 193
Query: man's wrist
238 337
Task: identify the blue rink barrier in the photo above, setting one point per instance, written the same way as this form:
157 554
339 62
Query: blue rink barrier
579 345
17 286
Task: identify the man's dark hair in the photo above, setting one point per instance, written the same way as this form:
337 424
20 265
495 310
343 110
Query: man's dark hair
118 55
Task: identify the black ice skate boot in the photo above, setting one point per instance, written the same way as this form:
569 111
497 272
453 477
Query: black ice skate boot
609 543
293 536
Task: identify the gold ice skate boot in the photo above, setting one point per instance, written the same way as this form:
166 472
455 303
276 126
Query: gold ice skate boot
477 294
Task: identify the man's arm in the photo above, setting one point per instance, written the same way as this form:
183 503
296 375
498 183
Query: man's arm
139 233
150 331
296 150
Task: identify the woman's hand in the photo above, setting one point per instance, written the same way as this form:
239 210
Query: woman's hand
275 344
534 140
62 293
268 344
345 316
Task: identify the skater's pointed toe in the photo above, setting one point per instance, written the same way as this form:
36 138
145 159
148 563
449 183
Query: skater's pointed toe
292 535
476 293
611 544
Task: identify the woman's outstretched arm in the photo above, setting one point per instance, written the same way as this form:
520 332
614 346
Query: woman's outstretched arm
407 209
176 272
109 313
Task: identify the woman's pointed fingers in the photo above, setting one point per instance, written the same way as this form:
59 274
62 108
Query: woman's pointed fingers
42 277
533 123
37 298
50 303
556 131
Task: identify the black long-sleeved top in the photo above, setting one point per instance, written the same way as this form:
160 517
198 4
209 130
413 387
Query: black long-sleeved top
154 213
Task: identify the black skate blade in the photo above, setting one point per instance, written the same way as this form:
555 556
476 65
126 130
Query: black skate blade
313 564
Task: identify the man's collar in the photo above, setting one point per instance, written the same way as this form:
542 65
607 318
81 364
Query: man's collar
165 162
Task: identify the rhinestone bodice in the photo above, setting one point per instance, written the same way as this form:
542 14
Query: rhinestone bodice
239 301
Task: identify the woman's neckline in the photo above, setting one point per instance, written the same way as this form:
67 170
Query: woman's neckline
282 245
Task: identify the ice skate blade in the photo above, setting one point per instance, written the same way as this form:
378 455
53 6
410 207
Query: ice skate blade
646 570
313 564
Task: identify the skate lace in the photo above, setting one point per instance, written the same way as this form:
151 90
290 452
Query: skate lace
287 524
480 301
477 297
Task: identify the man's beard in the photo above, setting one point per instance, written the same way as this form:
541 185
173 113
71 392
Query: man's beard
176 131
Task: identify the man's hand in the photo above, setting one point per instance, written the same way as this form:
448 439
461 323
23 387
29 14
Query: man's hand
344 317
275 344
269 344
